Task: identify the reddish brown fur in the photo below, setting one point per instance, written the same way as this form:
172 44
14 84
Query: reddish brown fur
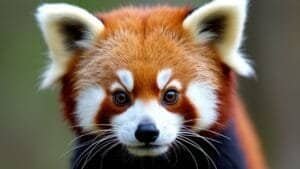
158 42
145 41
248 138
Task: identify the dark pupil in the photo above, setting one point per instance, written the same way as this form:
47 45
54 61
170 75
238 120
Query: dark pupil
170 97
120 98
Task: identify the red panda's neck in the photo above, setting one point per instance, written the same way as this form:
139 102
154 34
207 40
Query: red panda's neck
227 97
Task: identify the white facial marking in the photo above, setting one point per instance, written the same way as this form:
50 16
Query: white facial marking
163 77
126 78
203 97
88 104
116 86
166 122
176 84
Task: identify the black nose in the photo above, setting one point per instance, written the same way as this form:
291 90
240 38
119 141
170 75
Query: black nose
146 133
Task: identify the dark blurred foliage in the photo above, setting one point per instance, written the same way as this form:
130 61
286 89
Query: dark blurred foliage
34 135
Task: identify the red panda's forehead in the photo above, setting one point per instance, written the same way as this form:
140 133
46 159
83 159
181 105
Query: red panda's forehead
145 44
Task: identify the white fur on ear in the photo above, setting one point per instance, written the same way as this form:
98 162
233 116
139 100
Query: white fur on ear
66 28
221 23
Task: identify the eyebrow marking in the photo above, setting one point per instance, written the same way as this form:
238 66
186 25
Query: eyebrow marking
175 83
163 77
126 78
115 86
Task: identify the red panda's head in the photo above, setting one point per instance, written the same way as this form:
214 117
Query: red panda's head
145 73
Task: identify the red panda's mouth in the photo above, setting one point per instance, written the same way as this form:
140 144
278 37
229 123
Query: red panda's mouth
146 146
149 146
148 150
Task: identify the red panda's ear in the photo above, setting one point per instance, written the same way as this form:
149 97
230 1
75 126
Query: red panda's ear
221 23
66 29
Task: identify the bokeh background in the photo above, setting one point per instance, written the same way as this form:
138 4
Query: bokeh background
33 134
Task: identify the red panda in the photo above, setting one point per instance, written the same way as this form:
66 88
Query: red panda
152 87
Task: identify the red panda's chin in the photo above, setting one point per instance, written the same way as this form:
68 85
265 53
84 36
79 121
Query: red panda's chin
143 151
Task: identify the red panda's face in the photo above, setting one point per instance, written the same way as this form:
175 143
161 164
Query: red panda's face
144 74
156 83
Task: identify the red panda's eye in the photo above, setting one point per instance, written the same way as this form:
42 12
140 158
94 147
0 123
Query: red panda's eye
121 98
170 97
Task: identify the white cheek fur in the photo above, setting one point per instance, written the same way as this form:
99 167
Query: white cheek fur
204 99
88 105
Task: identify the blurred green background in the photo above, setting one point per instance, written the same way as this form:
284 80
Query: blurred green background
34 136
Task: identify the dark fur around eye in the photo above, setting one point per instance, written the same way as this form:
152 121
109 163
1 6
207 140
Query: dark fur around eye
170 97
121 98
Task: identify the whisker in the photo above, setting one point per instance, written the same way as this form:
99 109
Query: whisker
91 154
91 133
93 125
75 148
206 140
101 144
106 151
192 143
210 131
174 146
79 159
196 119
190 153
86 143
198 136
218 134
